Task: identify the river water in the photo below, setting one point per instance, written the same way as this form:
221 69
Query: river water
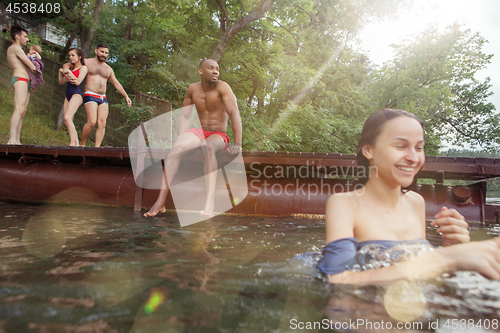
68 268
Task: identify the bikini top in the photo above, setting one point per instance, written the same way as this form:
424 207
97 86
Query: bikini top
76 72
337 255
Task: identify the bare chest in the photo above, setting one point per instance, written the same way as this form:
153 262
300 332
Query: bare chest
383 225
13 60
208 101
102 71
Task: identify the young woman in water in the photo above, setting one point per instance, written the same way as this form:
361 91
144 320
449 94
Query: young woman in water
74 73
384 214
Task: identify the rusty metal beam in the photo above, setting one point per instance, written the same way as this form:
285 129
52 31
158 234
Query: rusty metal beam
477 168
37 173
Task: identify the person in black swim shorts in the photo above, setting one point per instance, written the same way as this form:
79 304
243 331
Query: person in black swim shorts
94 97
91 97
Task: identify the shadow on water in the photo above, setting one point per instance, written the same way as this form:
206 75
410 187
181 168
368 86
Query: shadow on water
68 268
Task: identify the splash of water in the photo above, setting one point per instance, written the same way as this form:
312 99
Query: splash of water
377 256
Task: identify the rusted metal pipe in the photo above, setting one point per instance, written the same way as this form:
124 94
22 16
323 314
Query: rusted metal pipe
104 176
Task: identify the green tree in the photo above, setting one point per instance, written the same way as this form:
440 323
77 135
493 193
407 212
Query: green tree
313 98
432 76
80 19
229 28
472 119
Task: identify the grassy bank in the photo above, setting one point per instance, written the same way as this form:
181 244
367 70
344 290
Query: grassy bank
38 127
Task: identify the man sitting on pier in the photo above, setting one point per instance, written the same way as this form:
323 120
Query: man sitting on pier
215 102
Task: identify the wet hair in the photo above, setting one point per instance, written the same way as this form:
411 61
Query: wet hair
16 30
37 48
371 130
79 53
103 45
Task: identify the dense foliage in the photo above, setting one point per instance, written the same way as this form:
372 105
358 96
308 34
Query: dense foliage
296 67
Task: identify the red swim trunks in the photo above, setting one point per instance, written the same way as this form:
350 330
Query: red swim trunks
203 134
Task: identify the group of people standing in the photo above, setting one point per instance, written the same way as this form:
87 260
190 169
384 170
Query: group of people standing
94 71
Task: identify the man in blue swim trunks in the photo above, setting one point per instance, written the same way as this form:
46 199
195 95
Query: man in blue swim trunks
19 63
94 97
215 103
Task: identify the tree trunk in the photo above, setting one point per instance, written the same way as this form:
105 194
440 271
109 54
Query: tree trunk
128 30
252 95
260 106
242 22
81 27
128 27
88 36
65 51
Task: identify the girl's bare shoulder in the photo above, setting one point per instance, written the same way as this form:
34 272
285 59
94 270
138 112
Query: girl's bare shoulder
341 214
414 197
415 200
349 201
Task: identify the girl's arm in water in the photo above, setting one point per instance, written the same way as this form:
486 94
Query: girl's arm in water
483 257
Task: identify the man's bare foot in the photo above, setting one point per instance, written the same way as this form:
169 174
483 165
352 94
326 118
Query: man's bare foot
153 212
208 210
13 143
206 214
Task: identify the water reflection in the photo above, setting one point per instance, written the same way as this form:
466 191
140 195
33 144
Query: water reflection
229 274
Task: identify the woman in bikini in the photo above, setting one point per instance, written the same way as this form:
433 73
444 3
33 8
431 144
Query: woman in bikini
384 215
73 73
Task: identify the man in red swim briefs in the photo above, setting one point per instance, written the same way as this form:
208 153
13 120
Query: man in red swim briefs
19 63
215 103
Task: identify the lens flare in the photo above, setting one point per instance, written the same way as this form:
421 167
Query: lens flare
157 296
44 235
404 301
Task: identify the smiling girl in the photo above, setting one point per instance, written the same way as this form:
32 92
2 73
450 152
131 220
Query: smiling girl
384 215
